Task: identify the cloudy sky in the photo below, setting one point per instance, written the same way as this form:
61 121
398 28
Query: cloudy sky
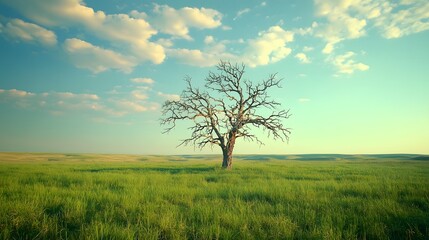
91 76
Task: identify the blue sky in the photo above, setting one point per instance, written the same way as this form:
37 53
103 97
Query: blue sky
91 76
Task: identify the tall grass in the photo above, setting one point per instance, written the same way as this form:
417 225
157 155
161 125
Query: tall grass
157 198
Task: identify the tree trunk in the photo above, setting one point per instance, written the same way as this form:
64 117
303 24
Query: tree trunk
227 160
227 152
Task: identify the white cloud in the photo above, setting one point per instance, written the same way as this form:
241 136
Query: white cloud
208 39
392 32
19 98
210 55
29 32
18 93
348 19
340 24
137 14
307 49
226 28
207 57
269 47
120 30
345 64
307 30
60 103
406 18
69 95
52 101
132 106
139 95
196 57
177 22
329 48
302 58
96 59
133 35
241 12
166 43
263 4
171 97
149 81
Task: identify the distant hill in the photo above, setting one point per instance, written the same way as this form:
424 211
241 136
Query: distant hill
422 158
317 157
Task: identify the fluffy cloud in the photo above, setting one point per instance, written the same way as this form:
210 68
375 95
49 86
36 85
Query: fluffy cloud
69 95
51 101
226 28
131 106
347 19
19 98
143 80
407 17
208 39
269 47
68 13
59 103
165 42
96 59
128 36
16 93
345 64
171 97
177 22
302 58
139 94
209 56
121 30
340 24
307 49
29 32
195 57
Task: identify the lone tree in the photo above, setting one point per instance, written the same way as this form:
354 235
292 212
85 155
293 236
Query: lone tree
227 110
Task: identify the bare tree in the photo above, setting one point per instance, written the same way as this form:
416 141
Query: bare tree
227 110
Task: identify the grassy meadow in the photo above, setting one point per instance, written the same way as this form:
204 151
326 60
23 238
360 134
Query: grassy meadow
72 196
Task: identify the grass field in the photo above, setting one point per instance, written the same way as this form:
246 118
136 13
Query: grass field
60 196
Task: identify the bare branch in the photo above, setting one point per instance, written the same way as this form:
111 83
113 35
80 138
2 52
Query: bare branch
272 124
229 111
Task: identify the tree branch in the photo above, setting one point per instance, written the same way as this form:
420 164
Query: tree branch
229 111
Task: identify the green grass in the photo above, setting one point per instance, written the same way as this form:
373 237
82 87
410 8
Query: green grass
55 196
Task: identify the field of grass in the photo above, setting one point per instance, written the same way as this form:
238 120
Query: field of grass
57 196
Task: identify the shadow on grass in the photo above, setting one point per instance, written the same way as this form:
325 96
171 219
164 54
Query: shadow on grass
169 170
